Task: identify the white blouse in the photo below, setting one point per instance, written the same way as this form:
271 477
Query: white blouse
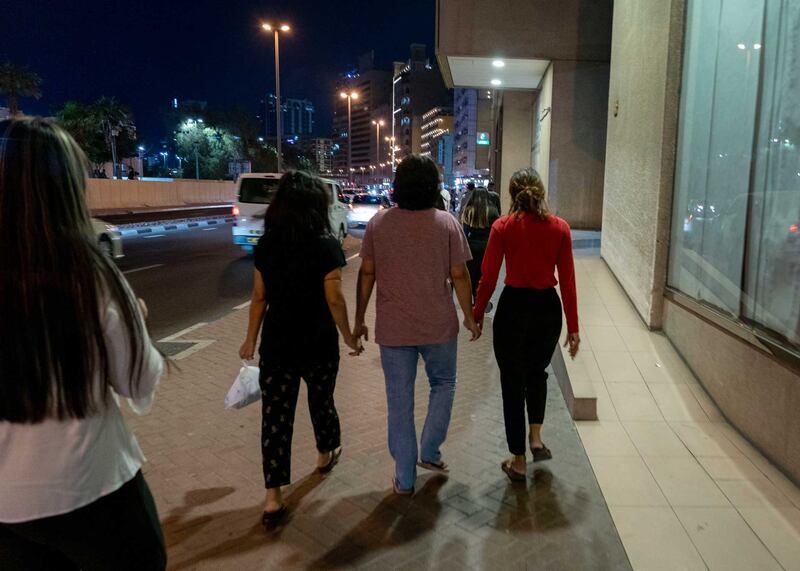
55 467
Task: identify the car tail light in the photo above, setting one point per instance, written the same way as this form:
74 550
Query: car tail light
236 211
793 228
350 206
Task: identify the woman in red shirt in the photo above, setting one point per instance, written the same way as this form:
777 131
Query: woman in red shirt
527 324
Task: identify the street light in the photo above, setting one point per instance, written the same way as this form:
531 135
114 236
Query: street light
165 155
349 95
391 140
276 32
378 124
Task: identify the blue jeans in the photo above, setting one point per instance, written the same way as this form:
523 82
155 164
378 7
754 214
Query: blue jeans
400 372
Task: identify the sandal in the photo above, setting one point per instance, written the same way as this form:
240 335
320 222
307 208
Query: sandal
541 454
271 519
512 474
401 492
439 467
331 463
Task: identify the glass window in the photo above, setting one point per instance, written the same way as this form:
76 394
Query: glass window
257 190
735 242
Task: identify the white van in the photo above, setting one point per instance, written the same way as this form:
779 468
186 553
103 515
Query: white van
254 193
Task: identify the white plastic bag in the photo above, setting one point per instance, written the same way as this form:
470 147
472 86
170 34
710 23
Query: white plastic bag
245 389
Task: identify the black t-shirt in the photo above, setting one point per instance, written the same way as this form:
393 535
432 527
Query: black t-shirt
298 326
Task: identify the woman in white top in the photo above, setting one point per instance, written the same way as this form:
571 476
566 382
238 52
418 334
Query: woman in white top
72 341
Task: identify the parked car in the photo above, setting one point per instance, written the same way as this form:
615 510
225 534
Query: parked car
363 207
254 194
109 238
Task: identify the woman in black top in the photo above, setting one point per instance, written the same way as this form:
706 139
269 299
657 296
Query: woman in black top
477 215
297 296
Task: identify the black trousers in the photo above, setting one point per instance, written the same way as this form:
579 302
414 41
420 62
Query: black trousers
119 531
526 330
478 250
280 385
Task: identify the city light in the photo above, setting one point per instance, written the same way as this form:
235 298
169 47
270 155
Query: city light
756 46
496 82
498 63
741 46
285 28
351 95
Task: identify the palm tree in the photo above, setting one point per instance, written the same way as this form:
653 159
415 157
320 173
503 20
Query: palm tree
16 82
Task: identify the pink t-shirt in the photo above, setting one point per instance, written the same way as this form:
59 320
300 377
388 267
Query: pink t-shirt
413 252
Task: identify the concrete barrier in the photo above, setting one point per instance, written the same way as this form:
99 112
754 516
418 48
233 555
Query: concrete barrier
109 194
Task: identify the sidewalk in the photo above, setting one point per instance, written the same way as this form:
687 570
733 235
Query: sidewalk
205 471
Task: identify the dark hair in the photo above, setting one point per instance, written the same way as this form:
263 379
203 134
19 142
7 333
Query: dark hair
470 186
416 183
299 210
528 194
55 283
477 212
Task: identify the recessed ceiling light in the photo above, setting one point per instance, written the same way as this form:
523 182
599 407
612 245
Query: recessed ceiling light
496 82
499 63
741 46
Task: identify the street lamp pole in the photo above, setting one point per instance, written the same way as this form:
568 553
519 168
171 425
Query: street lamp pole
278 108
378 124
349 96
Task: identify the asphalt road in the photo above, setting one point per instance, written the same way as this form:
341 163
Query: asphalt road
190 276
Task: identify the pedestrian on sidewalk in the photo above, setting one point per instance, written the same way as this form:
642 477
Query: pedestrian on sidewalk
413 253
72 339
527 326
297 303
477 217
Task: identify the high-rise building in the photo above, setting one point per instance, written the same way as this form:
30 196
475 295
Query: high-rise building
418 87
297 119
437 140
473 125
320 151
373 103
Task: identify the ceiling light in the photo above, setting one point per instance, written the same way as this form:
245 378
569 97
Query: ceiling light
499 63
496 82
756 46
741 46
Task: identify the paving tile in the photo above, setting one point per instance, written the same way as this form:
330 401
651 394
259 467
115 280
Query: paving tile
618 367
605 438
705 439
654 370
684 482
754 492
730 468
725 541
626 481
633 401
677 402
779 529
645 531
604 338
605 407
655 439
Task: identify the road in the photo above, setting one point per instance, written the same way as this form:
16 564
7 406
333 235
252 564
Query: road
190 276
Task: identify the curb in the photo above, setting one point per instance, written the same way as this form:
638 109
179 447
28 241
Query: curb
145 228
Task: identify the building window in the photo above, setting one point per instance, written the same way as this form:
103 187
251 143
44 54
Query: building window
735 236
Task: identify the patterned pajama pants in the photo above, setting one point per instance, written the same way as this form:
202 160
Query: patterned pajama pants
280 385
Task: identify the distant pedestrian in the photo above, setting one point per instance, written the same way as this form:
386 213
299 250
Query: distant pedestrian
413 252
477 217
494 198
72 339
297 296
527 326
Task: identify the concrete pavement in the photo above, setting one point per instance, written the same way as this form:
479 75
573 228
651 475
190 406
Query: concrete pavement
205 471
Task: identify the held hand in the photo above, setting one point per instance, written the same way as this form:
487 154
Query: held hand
247 350
360 330
573 342
474 328
355 344
143 308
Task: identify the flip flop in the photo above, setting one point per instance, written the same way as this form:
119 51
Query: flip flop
271 519
401 492
512 474
331 463
439 467
541 454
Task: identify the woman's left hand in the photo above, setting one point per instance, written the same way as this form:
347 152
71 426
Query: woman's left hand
573 342
248 350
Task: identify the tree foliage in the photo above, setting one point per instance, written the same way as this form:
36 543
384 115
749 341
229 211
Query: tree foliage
16 82
213 148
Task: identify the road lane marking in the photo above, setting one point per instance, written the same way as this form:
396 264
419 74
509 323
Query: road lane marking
182 332
209 229
133 271
242 306
154 236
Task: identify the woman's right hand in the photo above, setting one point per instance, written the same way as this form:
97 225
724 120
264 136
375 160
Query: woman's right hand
248 350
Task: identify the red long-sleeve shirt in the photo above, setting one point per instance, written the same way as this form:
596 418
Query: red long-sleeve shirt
533 249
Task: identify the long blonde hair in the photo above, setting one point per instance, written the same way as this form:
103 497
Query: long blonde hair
528 194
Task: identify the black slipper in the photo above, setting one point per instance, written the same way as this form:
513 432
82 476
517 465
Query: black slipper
512 474
271 519
541 454
332 462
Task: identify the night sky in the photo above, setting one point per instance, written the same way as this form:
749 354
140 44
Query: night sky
145 52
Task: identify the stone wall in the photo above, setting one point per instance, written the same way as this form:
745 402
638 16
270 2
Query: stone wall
110 194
